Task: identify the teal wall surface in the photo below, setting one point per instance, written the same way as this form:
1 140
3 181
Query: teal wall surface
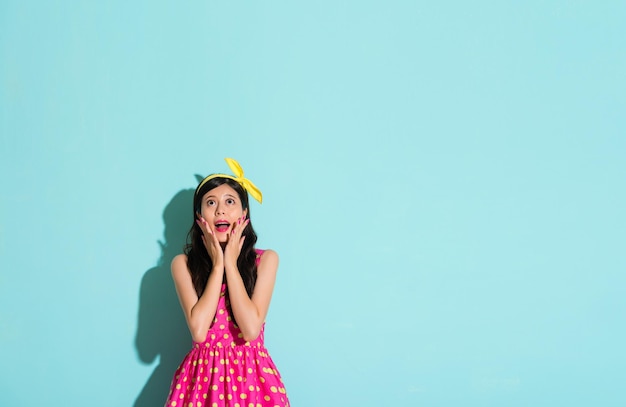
444 183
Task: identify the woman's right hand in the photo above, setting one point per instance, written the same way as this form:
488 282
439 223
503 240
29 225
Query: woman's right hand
211 243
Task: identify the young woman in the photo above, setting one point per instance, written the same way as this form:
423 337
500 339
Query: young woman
225 286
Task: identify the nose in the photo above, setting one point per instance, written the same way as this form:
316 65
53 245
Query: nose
219 209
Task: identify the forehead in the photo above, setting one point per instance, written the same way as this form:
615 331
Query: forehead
221 191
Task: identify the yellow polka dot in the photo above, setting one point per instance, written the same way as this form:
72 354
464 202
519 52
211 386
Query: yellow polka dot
267 398
251 388
205 395
239 378
173 404
251 405
222 326
178 386
222 379
273 389
249 370
243 396
182 396
190 404
262 379
214 387
221 397
234 388
206 379
212 336
221 312
225 336
236 361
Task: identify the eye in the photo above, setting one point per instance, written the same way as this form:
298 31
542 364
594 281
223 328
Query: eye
210 202
230 201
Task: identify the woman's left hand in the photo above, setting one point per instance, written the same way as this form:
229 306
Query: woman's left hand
235 242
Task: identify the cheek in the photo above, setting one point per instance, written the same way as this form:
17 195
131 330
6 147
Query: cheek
205 212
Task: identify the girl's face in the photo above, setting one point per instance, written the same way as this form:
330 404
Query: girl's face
221 207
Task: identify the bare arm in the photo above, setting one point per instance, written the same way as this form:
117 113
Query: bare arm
249 312
199 312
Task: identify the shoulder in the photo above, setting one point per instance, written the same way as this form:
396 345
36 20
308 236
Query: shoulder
267 259
179 264
266 254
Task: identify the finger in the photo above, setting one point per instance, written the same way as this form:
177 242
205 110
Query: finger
241 225
200 221
207 227
241 242
213 236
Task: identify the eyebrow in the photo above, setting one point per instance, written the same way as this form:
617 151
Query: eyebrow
215 196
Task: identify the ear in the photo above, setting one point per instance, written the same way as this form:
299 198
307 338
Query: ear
245 213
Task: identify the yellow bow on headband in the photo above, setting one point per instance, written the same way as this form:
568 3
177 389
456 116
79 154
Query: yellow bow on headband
244 182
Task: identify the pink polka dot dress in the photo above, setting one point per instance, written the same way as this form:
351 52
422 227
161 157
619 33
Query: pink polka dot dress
227 371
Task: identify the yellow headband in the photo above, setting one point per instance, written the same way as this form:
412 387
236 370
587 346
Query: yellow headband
244 182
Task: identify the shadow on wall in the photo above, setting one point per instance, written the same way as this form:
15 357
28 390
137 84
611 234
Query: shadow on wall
161 328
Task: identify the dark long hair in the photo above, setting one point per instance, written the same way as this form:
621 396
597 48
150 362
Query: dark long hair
198 259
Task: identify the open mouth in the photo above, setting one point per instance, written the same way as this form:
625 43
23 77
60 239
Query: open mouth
222 226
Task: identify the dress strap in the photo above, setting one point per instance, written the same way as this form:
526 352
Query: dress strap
259 253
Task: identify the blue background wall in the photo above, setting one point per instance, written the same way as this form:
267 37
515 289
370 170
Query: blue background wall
444 183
